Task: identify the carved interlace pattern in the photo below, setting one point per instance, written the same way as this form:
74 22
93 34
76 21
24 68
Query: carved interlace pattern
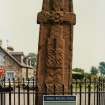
55 57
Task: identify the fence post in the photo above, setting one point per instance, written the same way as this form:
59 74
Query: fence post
85 90
1 96
18 91
101 98
4 102
33 91
80 86
9 92
89 90
63 91
23 83
36 94
76 86
71 88
14 89
28 96
54 89
104 90
99 89
97 93
94 82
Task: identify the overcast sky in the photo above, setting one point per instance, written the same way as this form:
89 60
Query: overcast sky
18 26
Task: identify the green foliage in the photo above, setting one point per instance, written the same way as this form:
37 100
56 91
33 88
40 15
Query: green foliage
87 75
78 73
33 58
94 71
78 76
102 68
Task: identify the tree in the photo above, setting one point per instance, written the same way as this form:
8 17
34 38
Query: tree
33 58
102 68
94 71
78 73
87 75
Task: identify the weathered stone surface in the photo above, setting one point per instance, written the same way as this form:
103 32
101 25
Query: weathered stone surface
56 17
55 47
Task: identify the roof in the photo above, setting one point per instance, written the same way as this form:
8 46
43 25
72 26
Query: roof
14 59
16 53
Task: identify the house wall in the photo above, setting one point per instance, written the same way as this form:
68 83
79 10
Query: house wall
30 73
27 73
10 65
24 73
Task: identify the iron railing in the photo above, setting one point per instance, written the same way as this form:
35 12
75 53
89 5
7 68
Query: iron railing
21 92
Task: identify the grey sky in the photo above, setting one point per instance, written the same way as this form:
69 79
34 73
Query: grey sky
18 25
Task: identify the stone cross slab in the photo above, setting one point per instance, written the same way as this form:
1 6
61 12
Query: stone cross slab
56 17
54 67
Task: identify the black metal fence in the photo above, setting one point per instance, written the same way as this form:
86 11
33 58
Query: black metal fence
89 92
21 92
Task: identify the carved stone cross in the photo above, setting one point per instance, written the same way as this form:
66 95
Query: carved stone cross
55 48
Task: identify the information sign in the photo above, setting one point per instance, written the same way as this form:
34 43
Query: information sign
59 100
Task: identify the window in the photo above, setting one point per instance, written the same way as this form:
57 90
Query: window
10 75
